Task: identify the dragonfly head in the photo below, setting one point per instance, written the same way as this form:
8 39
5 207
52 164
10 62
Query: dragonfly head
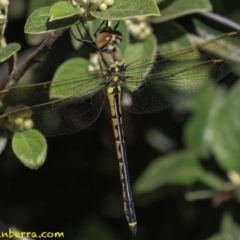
108 36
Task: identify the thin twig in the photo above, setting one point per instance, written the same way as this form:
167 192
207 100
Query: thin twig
221 19
12 63
34 58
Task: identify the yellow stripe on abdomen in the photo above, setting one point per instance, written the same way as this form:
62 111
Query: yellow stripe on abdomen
114 97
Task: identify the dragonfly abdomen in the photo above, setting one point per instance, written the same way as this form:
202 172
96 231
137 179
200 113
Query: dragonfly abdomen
114 97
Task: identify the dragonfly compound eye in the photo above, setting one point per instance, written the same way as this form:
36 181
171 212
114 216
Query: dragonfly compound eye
104 38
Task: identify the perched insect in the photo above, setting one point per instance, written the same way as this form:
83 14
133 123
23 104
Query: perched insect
145 86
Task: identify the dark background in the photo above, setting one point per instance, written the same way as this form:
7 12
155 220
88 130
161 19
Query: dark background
77 191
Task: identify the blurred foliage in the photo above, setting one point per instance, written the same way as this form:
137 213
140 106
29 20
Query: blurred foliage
184 161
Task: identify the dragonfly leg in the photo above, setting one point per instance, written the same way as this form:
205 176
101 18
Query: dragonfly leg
90 43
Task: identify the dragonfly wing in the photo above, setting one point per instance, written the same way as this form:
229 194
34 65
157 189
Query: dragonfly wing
69 116
220 47
155 83
161 90
67 107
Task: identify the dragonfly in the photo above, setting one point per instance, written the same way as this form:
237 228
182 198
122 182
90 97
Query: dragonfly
144 86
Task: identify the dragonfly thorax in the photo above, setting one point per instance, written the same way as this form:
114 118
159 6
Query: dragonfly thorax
115 75
111 60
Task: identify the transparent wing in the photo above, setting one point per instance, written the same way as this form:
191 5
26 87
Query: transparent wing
152 84
174 76
53 108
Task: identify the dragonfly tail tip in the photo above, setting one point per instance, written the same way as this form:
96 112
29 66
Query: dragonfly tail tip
133 230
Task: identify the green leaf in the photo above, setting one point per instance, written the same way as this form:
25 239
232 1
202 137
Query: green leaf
62 10
171 36
174 9
205 30
38 22
34 5
8 51
68 78
217 236
3 20
139 51
30 147
229 228
176 168
159 141
198 131
212 180
122 9
226 135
